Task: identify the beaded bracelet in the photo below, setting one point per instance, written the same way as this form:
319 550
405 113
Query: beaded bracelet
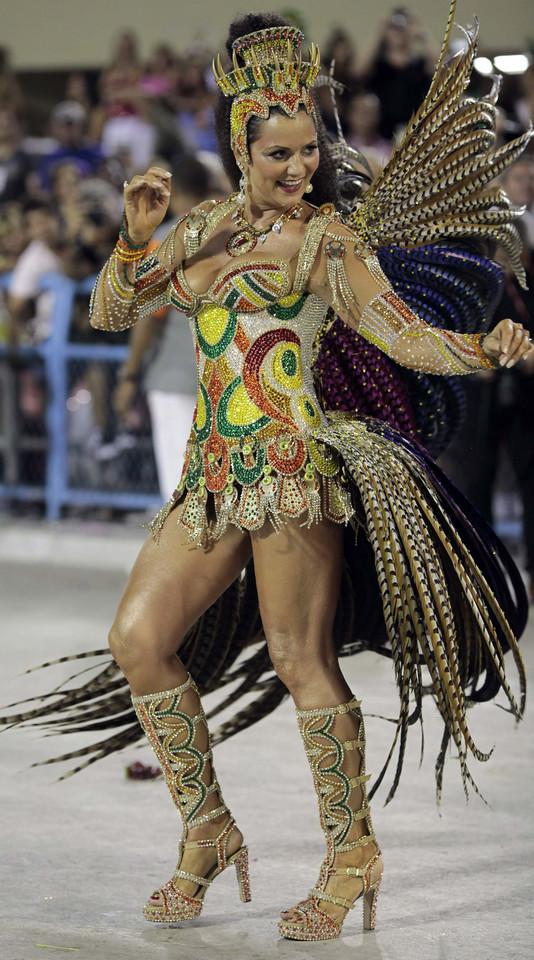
125 250
489 363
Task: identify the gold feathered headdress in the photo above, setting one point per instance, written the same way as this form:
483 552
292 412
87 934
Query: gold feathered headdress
272 76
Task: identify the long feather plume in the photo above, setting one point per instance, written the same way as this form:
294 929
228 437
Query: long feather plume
437 182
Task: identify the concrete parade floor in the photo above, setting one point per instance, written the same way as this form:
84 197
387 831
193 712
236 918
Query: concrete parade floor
80 857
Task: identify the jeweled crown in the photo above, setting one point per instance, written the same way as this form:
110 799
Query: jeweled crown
270 62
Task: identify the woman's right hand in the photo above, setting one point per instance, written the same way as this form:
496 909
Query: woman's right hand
146 200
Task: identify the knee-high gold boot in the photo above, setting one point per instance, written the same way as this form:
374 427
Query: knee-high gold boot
334 740
177 730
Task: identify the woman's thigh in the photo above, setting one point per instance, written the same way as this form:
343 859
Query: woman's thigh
298 574
173 583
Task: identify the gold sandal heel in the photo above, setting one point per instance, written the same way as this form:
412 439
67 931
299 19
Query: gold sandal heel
329 735
370 899
240 861
177 729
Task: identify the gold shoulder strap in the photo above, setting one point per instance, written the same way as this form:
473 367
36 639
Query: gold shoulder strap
308 251
200 224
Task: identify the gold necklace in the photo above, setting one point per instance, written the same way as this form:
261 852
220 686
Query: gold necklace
246 237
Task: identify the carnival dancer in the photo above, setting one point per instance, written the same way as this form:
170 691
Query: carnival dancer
276 485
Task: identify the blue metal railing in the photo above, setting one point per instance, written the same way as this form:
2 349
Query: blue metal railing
55 354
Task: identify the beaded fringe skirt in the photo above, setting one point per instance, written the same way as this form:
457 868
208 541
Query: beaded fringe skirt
204 516
427 583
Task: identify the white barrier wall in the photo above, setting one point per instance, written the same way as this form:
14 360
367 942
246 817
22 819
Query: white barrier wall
80 33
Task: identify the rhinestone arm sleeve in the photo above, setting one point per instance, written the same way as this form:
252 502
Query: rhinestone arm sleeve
132 285
362 295
389 323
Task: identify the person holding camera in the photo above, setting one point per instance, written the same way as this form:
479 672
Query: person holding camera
397 66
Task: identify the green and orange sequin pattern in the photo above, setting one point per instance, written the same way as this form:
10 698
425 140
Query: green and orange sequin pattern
247 287
254 443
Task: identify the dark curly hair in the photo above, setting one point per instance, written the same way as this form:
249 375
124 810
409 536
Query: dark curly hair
324 179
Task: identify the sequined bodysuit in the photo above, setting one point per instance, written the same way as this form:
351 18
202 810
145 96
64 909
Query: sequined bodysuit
252 443
261 447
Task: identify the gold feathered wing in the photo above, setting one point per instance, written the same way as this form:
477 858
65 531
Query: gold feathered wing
436 185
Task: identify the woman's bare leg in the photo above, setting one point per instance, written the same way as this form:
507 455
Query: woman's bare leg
170 586
298 574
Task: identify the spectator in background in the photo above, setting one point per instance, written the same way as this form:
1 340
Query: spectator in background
398 66
68 124
15 163
500 414
170 378
194 101
65 184
161 72
77 88
10 91
97 209
362 125
126 50
13 237
518 181
29 308
341 51
158 85
127 132
524 107
92 229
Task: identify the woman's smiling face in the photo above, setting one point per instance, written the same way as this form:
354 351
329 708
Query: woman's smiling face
284 158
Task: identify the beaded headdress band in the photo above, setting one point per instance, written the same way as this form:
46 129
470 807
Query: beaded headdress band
271 77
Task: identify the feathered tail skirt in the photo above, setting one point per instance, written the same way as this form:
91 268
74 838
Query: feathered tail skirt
426 582
453 601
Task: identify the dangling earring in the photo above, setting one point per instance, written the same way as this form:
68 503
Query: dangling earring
242 184
241 195
308 188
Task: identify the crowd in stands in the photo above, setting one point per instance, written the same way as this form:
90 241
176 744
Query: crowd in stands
60 188
61 183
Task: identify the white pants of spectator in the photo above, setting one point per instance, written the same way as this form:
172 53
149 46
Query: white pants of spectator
171 415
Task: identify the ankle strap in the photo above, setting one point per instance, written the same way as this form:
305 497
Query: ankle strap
360 872
206 817
220 842
356 844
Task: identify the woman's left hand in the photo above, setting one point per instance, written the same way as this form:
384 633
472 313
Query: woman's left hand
508 342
